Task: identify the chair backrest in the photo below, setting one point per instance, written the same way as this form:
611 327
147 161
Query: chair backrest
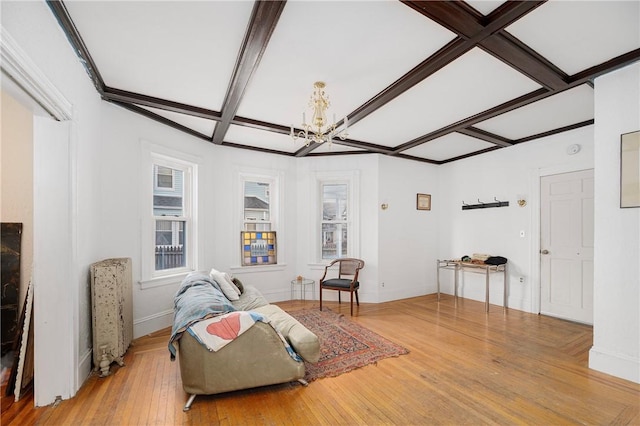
349 266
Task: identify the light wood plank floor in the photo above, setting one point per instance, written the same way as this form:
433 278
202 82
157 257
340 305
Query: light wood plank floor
464 367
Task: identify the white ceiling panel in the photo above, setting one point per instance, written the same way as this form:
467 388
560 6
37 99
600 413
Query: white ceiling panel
484 6
471 84
356 48
182 55
449 146
566 108
201 125
262 139
576 35
163 49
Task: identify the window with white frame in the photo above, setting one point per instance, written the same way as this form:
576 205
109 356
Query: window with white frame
335 223
172 215
257 205
259 217
338 216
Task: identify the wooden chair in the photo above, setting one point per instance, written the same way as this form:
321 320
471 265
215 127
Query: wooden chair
347 280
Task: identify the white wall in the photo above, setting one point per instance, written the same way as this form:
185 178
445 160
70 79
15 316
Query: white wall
504 174
408 238
218 215
365 168
69 177
616 332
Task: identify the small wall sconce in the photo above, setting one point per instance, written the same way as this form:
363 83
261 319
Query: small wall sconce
522 201
384 206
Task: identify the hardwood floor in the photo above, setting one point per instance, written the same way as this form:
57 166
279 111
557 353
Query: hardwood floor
464 367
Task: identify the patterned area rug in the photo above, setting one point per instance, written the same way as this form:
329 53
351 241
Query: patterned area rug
344 345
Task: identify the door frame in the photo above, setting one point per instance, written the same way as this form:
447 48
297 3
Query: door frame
52 105
536 175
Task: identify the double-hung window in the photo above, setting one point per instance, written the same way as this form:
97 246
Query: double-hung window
335 220
260 206
257 205
171 214
338 211
169 223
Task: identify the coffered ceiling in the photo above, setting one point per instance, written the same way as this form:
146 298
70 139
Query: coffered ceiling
427 81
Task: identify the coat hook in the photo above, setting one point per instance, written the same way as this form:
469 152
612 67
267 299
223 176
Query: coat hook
480 202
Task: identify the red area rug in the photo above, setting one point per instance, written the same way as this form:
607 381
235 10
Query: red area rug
344 344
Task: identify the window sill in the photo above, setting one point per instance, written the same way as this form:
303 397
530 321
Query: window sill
238 270
163 281
318 265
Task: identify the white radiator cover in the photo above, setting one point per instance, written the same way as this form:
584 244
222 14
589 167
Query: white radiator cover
112 311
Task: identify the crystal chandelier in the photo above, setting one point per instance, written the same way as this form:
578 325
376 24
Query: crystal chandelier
319 131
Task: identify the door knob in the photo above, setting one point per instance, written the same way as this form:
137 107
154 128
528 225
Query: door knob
545 251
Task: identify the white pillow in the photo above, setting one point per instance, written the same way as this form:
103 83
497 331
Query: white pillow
229 279
229 290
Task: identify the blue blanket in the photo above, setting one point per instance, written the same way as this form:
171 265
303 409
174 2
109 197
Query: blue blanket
199 297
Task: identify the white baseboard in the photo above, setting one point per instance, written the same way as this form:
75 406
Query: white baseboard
152 323
84 368
615 364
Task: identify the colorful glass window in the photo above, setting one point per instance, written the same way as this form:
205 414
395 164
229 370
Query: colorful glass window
258 248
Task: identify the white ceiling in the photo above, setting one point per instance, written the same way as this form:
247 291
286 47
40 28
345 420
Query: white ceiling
423 80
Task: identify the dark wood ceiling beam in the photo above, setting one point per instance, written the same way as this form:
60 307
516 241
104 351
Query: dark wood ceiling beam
161 119
367 147
61 14
485 136
429 66
604 68
471 154
465 21
260 125
555 131
264 18
514 53
460 19
470 121
420 159
488 34
123 96
256 148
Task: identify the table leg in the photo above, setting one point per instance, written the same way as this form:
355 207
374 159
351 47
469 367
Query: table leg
455 283
438 277
504 280
486 303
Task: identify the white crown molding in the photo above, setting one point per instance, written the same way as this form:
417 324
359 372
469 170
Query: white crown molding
20 68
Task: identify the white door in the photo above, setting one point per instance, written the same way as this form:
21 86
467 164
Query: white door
566 246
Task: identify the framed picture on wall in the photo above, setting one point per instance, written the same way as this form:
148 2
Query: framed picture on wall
630 169
423 202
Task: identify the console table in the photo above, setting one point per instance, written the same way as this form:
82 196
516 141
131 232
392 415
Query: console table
457 265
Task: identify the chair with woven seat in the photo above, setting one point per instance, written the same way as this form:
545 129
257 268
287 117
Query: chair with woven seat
347 280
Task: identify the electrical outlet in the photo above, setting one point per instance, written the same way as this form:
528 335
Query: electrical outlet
521 280
382 285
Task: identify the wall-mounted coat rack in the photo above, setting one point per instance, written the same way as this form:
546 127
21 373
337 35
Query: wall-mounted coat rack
481 205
